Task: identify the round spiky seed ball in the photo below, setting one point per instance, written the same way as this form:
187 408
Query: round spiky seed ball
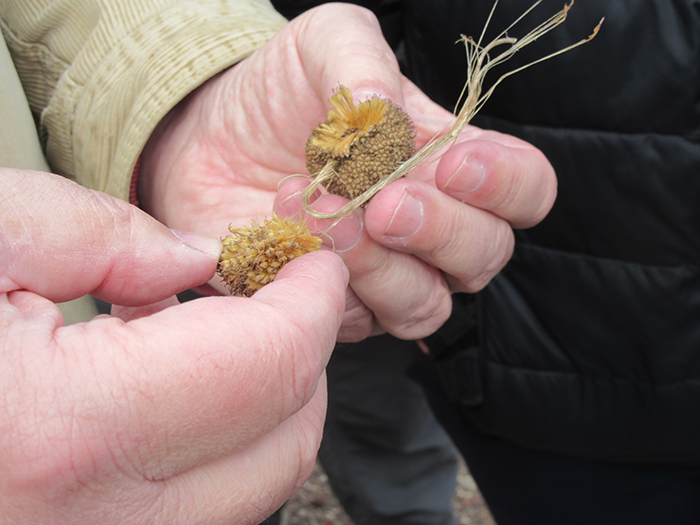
252 257
366 142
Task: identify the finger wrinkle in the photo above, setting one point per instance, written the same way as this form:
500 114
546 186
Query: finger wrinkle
498 252
428 316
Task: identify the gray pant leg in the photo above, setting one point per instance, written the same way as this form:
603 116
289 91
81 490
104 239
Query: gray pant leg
386 457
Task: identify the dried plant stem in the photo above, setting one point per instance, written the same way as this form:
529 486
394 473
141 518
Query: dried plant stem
479 63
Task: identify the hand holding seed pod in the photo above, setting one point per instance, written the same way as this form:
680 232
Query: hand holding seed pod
210 394
450 227
226 154
357 151
361 149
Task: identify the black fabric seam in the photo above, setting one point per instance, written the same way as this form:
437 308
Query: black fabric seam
532 246
597 378
692 137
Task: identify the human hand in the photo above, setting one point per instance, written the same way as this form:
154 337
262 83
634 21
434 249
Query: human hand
219 158
205 412
447 227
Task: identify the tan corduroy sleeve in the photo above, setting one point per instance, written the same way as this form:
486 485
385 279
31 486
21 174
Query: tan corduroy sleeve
101 74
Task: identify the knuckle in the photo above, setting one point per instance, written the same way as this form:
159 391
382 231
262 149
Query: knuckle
308 451
358 320
531 193
310 424
425 319
300 366
357 330
549 195
498 252
300 377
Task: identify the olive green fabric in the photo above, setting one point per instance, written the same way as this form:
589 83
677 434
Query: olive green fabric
20 148
19 143
100 75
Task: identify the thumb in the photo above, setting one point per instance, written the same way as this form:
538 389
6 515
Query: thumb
62 241
343 44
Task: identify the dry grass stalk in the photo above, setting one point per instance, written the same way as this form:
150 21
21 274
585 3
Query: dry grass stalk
479 63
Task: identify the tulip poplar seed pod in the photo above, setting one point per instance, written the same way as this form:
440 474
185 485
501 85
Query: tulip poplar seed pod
366 142
252 257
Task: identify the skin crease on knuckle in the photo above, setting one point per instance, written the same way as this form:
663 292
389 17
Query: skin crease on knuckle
490 249
423 320
298 374
497 251
400 309
438 308
488 253
358 320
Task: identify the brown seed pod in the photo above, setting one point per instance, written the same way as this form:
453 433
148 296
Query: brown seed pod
252 257
334 140
366 143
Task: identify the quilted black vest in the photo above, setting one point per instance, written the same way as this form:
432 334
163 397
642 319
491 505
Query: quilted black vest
588 343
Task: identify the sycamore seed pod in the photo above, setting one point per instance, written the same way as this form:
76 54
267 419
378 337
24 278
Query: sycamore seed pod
252 257
364 142
333 146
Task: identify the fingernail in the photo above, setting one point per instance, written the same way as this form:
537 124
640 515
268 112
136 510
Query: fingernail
466 179
345 235
288 207
208 245
407 219
361 95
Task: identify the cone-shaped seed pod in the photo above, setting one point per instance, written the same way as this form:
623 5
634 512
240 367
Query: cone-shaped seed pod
252 257
366 143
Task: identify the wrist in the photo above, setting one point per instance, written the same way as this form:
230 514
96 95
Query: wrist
155 166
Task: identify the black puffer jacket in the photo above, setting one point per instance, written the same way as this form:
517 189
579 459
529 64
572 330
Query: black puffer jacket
589 342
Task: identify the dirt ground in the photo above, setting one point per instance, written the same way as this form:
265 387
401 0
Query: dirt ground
315 504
